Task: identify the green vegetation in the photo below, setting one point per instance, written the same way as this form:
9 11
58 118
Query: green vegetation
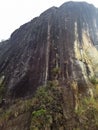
93 80
40 119
47 107
50 109
88 115
14 110
56 70
87 112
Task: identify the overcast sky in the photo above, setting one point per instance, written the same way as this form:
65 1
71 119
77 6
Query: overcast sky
14 13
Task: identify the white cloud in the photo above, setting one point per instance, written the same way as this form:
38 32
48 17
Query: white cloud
14 13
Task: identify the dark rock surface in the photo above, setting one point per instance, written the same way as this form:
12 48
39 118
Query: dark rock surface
28 58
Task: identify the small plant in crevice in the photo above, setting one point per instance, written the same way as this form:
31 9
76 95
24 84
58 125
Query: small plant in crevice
56 70
93 80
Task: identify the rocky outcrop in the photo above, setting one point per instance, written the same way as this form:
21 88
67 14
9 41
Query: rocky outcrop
58 50
59 45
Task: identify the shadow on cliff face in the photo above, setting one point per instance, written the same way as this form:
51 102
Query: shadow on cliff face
21 89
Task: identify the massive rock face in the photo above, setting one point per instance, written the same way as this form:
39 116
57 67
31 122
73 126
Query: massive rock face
59 45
